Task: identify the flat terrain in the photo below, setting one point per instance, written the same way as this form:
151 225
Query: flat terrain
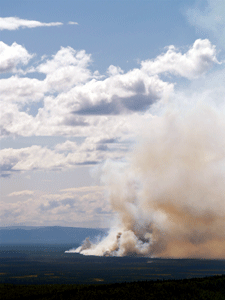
48 264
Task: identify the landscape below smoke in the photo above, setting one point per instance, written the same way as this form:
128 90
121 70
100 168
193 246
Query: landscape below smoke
169 195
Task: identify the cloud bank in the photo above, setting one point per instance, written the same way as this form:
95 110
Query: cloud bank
79 207
71 94
74 101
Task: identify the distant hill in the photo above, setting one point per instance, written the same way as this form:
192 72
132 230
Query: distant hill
49 234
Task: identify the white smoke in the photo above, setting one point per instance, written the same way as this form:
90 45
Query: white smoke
169 197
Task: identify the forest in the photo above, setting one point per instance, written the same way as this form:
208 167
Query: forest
194 288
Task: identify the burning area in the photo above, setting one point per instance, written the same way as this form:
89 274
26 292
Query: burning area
169 195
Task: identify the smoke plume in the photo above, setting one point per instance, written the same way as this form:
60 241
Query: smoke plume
169 195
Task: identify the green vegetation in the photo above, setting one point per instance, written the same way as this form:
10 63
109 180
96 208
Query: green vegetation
195 288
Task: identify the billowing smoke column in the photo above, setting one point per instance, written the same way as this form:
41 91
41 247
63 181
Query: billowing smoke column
169 196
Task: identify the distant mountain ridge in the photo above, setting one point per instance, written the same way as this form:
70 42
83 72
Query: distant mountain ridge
48 234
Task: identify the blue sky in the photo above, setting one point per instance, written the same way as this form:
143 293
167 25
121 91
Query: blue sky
114 32
77 95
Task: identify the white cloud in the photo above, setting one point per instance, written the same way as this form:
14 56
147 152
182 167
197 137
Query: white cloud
67 146
22 90
67 75
66 69
84 189
21 193
30 158
72 23
118 94
11 56
13 121
64 156
113 70
13 23
74 103
192 64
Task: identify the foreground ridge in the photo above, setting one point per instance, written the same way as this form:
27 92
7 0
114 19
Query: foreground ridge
195 288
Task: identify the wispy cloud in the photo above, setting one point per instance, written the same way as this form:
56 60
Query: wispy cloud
13 23
210 19
21 193
72 23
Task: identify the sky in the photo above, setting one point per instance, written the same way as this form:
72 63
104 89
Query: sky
80 82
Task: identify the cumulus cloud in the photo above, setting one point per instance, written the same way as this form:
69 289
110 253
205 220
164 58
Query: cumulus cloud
21 90
11 56
120 93
13 121
68 146
74 101
106 112
66 69
30 158
192 64
13 23
64 156
113 70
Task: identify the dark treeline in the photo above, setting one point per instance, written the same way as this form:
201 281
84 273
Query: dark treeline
195 288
